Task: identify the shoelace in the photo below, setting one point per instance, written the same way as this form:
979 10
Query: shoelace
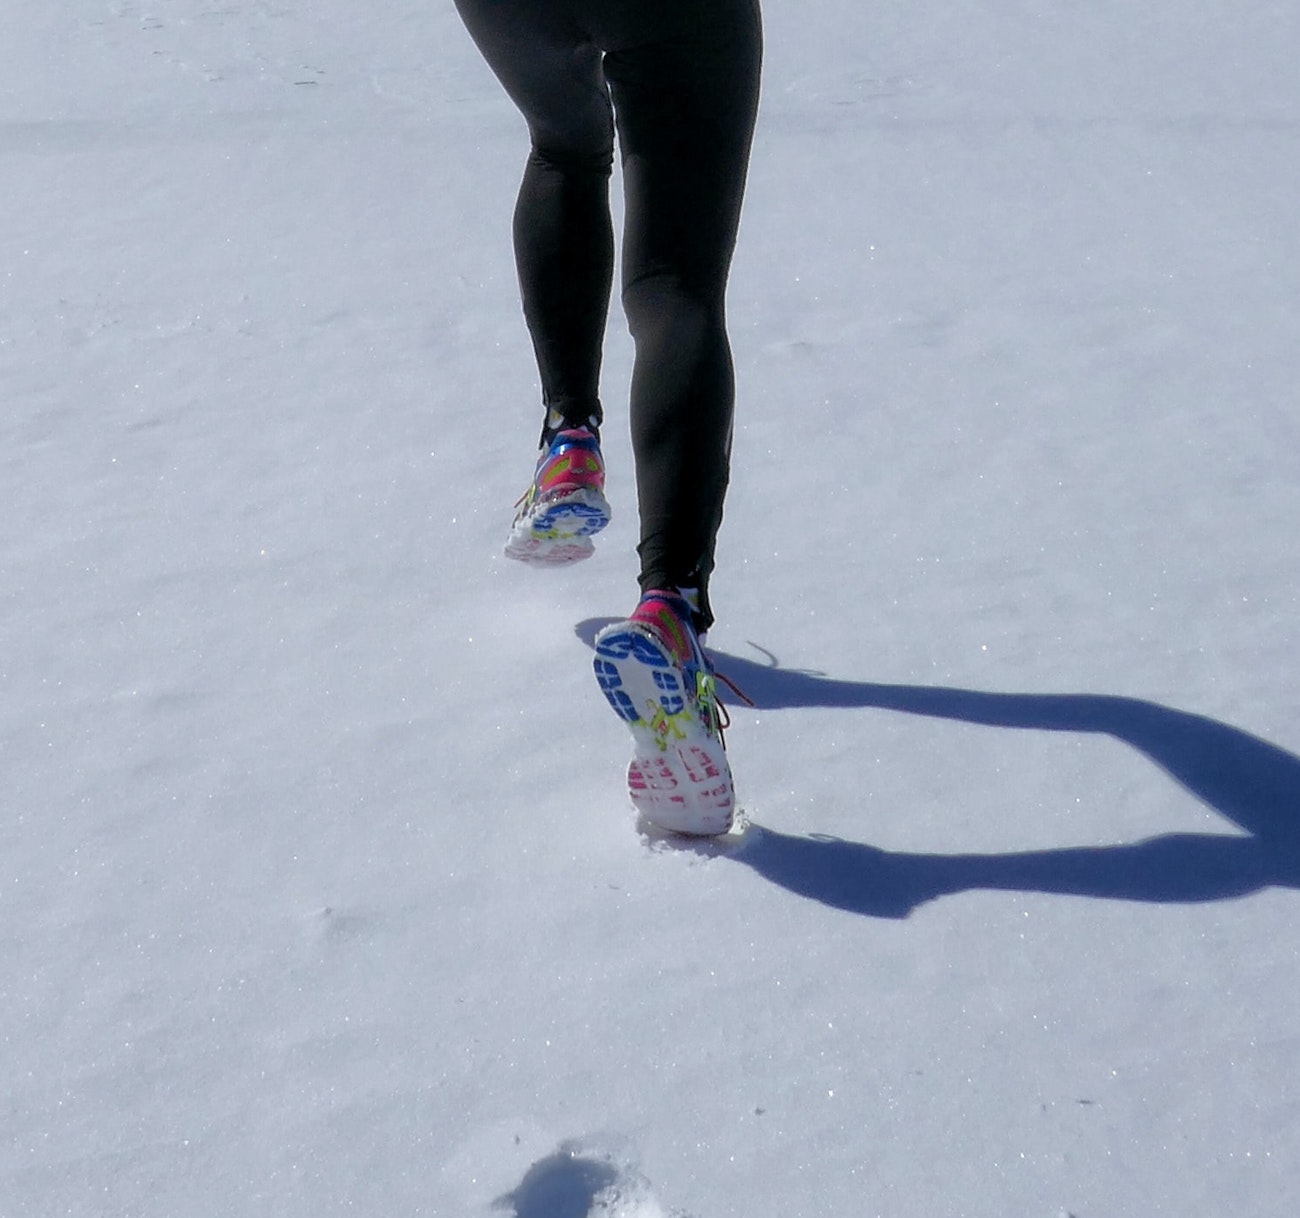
735 689
722 715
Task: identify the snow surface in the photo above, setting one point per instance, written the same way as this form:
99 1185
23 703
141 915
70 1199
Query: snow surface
320 891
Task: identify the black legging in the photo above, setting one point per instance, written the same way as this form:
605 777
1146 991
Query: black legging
683 75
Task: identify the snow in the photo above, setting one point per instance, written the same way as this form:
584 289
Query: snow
320 890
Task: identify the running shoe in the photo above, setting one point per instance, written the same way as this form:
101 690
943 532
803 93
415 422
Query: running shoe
565 505
654 673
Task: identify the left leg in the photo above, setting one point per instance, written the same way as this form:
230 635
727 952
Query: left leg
563 236
564 250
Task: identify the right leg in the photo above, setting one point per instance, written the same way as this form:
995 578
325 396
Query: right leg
684 76
564 246
686 97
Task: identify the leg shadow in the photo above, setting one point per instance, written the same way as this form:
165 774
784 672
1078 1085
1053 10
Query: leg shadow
1253 784
882 884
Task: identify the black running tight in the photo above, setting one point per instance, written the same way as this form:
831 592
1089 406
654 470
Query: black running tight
683 77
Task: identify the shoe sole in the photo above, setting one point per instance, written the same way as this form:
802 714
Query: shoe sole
679 778
559 531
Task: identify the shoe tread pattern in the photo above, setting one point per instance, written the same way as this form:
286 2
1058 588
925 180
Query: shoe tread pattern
679 778
559 530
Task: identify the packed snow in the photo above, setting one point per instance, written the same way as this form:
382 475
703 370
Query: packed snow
321 892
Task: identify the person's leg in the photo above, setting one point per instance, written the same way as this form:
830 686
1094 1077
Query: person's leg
686 107
562 229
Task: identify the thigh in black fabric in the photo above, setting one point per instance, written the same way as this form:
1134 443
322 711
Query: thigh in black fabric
552 71
686 108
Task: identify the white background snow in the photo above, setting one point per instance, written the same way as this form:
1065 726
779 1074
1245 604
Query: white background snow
319 889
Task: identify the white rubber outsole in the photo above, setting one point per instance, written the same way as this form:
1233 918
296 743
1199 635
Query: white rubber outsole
679 778
558 531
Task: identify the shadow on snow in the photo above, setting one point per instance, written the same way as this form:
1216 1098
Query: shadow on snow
563 1185
1252 783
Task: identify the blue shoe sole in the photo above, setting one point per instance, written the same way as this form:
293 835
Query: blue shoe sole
679 778
560 531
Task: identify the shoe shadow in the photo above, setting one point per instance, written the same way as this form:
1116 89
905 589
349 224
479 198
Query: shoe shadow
1248 781
563 1185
